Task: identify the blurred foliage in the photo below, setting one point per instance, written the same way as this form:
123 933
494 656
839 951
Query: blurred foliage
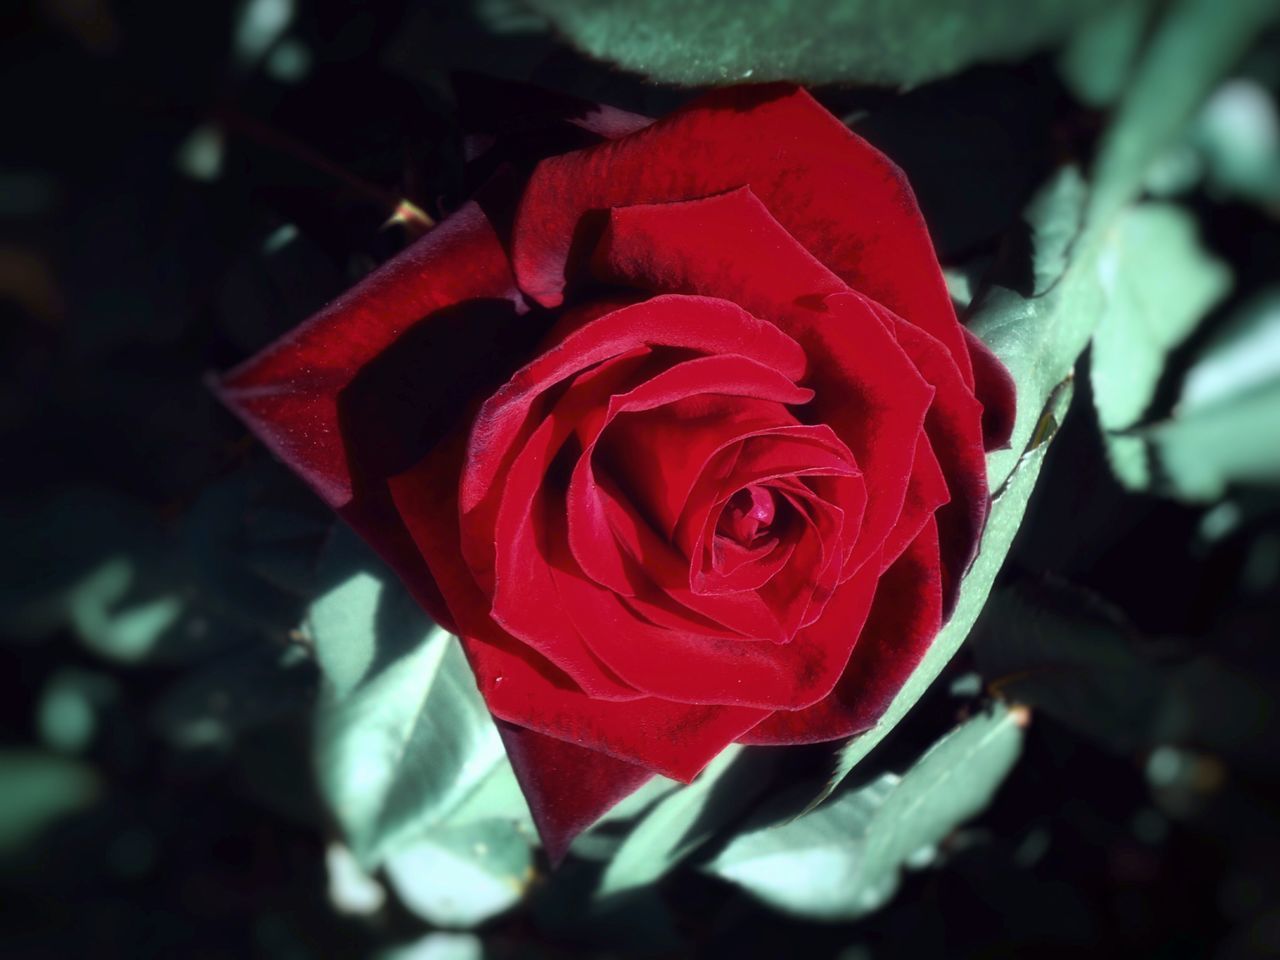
222 718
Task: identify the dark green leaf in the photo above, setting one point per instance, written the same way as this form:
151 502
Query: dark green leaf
39 789
212 705
1065 653
819 41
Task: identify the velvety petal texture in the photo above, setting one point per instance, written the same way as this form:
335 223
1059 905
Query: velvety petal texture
676 428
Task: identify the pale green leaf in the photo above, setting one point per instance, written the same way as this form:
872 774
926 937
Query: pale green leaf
1242 357
952 782
1039 337
1222 428
351 890
844 859
1099 58
684 819
438 946
410 750
1204 451
1238 135
815 41
1195 43
462 876
364 619
1159 283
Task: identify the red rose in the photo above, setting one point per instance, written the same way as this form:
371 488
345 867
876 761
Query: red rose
678 431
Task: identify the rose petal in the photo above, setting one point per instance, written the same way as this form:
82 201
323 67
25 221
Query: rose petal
567 786
695 668
867 388
696 323
904 619
725 376
519 686
454 288
837 195
996 390
954 429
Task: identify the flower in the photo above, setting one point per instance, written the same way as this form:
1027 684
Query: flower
678 430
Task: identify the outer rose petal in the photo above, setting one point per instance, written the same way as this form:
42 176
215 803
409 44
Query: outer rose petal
996 390
954 429
291 395
905 617
567 787
835 193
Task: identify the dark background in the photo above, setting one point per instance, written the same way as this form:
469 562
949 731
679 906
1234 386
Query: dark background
172 197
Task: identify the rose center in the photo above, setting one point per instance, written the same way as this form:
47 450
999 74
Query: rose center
745 519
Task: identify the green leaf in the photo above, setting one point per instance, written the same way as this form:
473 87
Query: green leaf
1065 653
70 707
461 877
817 41
844 860
233 694
410 750
606 836
1100 56
438 946
1243 357
1238 135
1039 337
1202 451
1159 284
1194 44
364 620
1220 430
114 625
39 789
685 819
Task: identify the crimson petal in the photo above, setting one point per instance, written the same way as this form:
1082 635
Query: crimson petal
842 199
904 619
568 787
291 395
520 686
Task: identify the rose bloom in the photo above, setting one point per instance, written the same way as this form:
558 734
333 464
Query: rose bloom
676 428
